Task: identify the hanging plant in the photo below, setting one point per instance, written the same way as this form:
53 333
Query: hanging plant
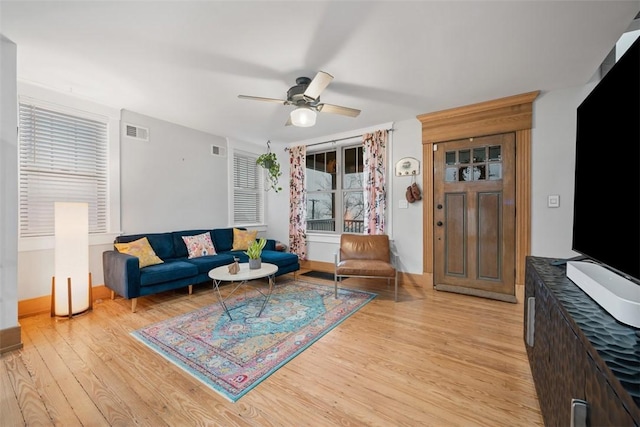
269 162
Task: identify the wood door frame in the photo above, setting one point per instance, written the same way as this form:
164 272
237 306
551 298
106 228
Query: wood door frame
510 114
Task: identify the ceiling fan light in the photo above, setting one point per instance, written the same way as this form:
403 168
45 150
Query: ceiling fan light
303 117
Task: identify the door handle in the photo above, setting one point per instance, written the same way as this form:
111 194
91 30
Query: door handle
439 223
439 206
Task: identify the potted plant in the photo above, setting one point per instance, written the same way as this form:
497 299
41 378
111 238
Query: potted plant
254 252
269 162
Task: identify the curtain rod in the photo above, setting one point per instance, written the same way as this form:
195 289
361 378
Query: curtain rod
336 140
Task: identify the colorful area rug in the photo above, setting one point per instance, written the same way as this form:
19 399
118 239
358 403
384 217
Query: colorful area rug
234 356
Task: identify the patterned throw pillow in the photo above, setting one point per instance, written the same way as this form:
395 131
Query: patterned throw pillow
243 238
200 245
142 249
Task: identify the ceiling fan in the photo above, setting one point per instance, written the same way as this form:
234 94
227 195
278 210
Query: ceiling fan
305 95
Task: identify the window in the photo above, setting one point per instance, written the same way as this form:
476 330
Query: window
62 157
247 190
335 199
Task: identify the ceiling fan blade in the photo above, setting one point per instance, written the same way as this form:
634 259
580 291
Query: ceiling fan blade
317 85
336 109
259 98
289 123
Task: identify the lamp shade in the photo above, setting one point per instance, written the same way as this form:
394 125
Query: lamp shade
303 117
71 257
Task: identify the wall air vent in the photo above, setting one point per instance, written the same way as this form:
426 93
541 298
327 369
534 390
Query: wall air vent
216 150
137 132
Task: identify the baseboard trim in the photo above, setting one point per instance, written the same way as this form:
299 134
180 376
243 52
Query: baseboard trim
39 305
10 339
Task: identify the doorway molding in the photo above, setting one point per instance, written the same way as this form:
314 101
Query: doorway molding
509 114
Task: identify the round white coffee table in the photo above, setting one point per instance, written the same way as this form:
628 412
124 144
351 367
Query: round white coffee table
243 277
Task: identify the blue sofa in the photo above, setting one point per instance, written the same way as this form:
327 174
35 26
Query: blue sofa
123 276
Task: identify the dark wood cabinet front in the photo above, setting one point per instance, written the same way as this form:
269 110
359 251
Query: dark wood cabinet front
574 349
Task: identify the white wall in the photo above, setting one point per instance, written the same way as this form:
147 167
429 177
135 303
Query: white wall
172 181
552 169
8 186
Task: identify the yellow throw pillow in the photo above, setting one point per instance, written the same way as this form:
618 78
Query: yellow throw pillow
243 238
200 245
142 249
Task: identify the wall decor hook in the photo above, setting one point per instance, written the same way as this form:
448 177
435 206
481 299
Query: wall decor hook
407 166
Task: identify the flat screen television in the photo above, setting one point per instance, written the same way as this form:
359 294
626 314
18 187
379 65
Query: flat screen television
606 216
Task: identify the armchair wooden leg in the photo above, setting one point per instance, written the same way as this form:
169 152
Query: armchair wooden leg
396 285
190 289
134 303
335 284
113 295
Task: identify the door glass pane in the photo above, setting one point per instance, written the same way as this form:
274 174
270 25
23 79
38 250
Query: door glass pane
451 174
465 173
495 153
353 205
450 158
479 173
320 212
495 171
479 155
464 156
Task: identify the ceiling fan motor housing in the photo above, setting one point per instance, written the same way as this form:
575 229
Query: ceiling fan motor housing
295 94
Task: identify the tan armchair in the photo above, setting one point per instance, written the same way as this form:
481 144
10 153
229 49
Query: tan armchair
365 256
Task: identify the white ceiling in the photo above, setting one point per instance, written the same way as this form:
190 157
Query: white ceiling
186 61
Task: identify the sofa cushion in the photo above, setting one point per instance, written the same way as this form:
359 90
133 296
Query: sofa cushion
199 245
180 248
206 263
140 249
166 272
222 239
243 238
281 259
161 243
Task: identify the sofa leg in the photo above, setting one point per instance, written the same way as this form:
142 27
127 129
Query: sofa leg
113 295
190 289
134 303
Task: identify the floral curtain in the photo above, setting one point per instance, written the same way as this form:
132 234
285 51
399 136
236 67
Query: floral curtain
298 199
375 187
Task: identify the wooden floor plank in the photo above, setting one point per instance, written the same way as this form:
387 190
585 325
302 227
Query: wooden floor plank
432 358
9 405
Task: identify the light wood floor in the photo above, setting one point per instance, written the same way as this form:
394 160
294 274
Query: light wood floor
432 359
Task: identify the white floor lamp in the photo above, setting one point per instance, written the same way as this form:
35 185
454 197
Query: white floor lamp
71 260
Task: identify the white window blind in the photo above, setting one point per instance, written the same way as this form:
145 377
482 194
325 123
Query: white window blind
62 157
247 190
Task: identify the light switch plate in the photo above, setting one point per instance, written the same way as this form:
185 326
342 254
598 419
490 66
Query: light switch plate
553 201
403 204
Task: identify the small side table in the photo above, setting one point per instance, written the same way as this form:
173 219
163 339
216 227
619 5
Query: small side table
221 274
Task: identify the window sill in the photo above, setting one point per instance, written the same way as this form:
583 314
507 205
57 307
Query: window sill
26 244
323 237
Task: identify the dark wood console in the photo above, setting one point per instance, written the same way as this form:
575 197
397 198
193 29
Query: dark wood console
585 364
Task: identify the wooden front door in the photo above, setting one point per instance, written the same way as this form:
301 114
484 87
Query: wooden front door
474 216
